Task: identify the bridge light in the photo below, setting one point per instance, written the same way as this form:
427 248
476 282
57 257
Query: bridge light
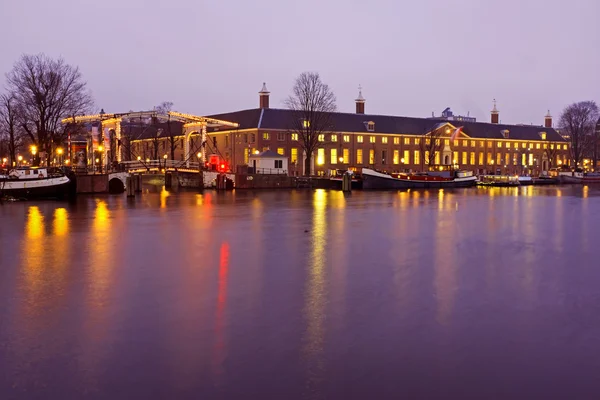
139 158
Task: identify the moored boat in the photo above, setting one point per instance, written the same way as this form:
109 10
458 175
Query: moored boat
374 180
498 180
38 183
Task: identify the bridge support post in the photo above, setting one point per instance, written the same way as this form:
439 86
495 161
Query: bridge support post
130 186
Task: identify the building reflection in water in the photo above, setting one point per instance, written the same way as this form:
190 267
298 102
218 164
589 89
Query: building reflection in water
220 346
314 308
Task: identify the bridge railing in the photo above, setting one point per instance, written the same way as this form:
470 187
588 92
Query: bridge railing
139 165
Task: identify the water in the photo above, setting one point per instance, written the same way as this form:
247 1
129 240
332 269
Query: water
474 293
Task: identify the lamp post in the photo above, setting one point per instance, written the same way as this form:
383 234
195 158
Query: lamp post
59 151
165 158
33 149
100 149
20 158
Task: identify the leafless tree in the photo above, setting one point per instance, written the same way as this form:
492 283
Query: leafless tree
164 108
312 103
9 125
46 91
431 144
578 122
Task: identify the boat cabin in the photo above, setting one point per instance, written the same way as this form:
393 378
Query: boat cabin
28 173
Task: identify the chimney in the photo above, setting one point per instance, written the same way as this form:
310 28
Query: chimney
495 114
264 96
548 120
360 102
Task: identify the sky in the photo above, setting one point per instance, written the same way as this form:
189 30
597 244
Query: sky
411 58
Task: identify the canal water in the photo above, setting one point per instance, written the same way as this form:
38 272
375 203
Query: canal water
476 293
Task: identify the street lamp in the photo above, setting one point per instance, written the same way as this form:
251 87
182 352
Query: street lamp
100 149
59 151
20 158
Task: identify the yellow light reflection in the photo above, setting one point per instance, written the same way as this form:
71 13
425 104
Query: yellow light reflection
163 197
61 222
441 199
315 291
219 348
33 252
586 191
35 223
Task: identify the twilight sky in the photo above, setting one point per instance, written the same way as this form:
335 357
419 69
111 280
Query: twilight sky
411 57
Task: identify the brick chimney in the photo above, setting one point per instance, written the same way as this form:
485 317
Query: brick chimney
548 120
264 96
495 114
360 102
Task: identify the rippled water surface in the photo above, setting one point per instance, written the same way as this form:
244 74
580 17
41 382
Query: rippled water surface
476 293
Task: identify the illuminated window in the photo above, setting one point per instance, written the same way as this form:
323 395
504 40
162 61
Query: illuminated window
406 157
305 124
489 158
321 138
372 156
537 145
294 136
515 157
372 139
437 142
480 158
265 148
396 157
523 159
543 135
396 140
334 138
531 159
417 157
384 139
359 158
565 147
455 157
436 158
281 150
516 145
507 159
481 143
551 146
545 146
499 159
507 145
346 155
472 158
524 145
472 143
266 136
417 141
320 156
359 139
334 156
465 142
499 144
246 152
407 141
489 144
346 138
427 142
447 142
294 155
464 158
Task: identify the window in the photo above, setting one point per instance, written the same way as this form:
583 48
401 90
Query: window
465 142
266 136
346 138
472 143
252 138
507 145
371 156
321 138
480 158
551 146
489 159
507 159
543 135
464 158
417 140
417 157
436 157
334 138
499 159
472 158
334 156
371 126
437 142
564 147
372 139
281 136
481 144
295 137
305 123
516 146
537 146
455 157
281 150
278 163
359 159
359 139
515 159
406 159
524 145
246 154
396 157
523 159
245 138
447 142
427 157
383 157
320 156
265 148
294 155
545 146
407 141
384 139
427 142
499 144
346 156
489 144
396 140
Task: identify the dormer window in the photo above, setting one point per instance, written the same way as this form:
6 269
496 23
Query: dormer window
543 135
505 134
305 123
371 126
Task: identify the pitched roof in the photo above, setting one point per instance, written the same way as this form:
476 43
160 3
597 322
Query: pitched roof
281 119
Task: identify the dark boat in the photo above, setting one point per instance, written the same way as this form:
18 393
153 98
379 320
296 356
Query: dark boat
38 183
374 180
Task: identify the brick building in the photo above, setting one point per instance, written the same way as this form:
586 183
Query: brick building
387 143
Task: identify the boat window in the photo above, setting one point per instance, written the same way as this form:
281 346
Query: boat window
27 172
35 171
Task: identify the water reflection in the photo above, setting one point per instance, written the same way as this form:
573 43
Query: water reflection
220 346
33 251
314 309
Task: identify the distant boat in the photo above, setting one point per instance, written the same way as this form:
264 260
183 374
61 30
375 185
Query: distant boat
37 183
444 179
579 177
500 180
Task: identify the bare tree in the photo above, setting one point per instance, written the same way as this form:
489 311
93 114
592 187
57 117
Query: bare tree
312 104
578 122
46 91
9 125
164 108
431 144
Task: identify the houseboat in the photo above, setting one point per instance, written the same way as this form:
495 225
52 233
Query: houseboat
498 180
374 180
36 183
